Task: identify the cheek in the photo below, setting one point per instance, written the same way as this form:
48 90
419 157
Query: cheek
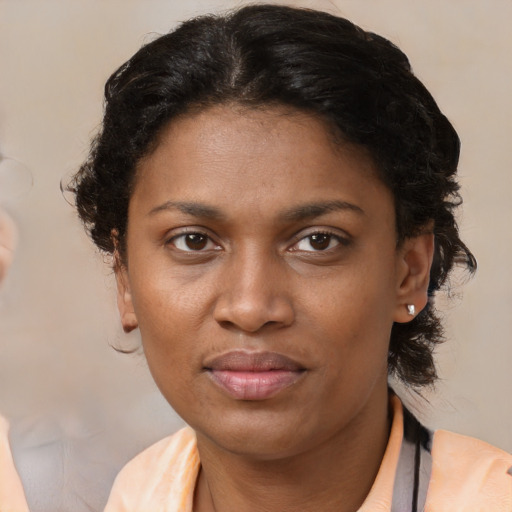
163 298
172 314
352 300
352 316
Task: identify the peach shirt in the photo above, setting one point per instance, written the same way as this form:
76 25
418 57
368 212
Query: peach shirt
12 497
467 475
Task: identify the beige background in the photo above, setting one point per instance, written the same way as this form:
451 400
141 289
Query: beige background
57 313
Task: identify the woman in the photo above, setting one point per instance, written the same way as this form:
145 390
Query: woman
12 497
278 192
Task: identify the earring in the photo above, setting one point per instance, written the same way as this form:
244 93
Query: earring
411 309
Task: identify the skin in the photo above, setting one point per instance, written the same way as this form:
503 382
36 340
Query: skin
267 272
12 496
8 239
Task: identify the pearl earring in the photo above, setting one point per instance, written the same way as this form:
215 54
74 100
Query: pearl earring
411 309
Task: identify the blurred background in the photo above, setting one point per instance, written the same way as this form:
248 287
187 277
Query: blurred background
79 410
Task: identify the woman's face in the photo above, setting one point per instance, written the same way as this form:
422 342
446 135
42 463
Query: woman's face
263 273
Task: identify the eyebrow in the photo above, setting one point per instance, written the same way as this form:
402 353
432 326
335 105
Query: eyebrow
189 208
297 213
313 210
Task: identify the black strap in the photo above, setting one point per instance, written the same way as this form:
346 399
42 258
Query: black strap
414 467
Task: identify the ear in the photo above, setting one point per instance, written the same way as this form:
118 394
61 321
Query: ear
124 296
414 262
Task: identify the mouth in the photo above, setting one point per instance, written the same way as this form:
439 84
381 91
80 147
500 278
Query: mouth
253 375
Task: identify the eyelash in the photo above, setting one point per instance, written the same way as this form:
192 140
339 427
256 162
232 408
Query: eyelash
207 239
340 241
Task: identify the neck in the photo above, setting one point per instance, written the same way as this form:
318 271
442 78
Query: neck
336 475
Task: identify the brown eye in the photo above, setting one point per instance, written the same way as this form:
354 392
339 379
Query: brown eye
320 242
196 241
189 242
317 242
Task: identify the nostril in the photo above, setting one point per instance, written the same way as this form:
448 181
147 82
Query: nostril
250 328
252 309
226 324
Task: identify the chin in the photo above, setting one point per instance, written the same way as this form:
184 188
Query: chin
260 435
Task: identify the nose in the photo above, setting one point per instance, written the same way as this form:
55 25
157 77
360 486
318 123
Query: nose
254 295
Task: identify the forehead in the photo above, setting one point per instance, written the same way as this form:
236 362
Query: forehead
253 158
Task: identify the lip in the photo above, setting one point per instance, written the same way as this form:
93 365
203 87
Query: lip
253 375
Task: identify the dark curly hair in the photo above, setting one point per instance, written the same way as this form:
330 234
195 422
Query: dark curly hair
359 83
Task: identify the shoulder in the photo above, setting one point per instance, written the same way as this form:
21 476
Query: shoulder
12 496
468 475
162 477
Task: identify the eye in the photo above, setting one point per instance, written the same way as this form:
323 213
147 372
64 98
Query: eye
318 242
193 242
